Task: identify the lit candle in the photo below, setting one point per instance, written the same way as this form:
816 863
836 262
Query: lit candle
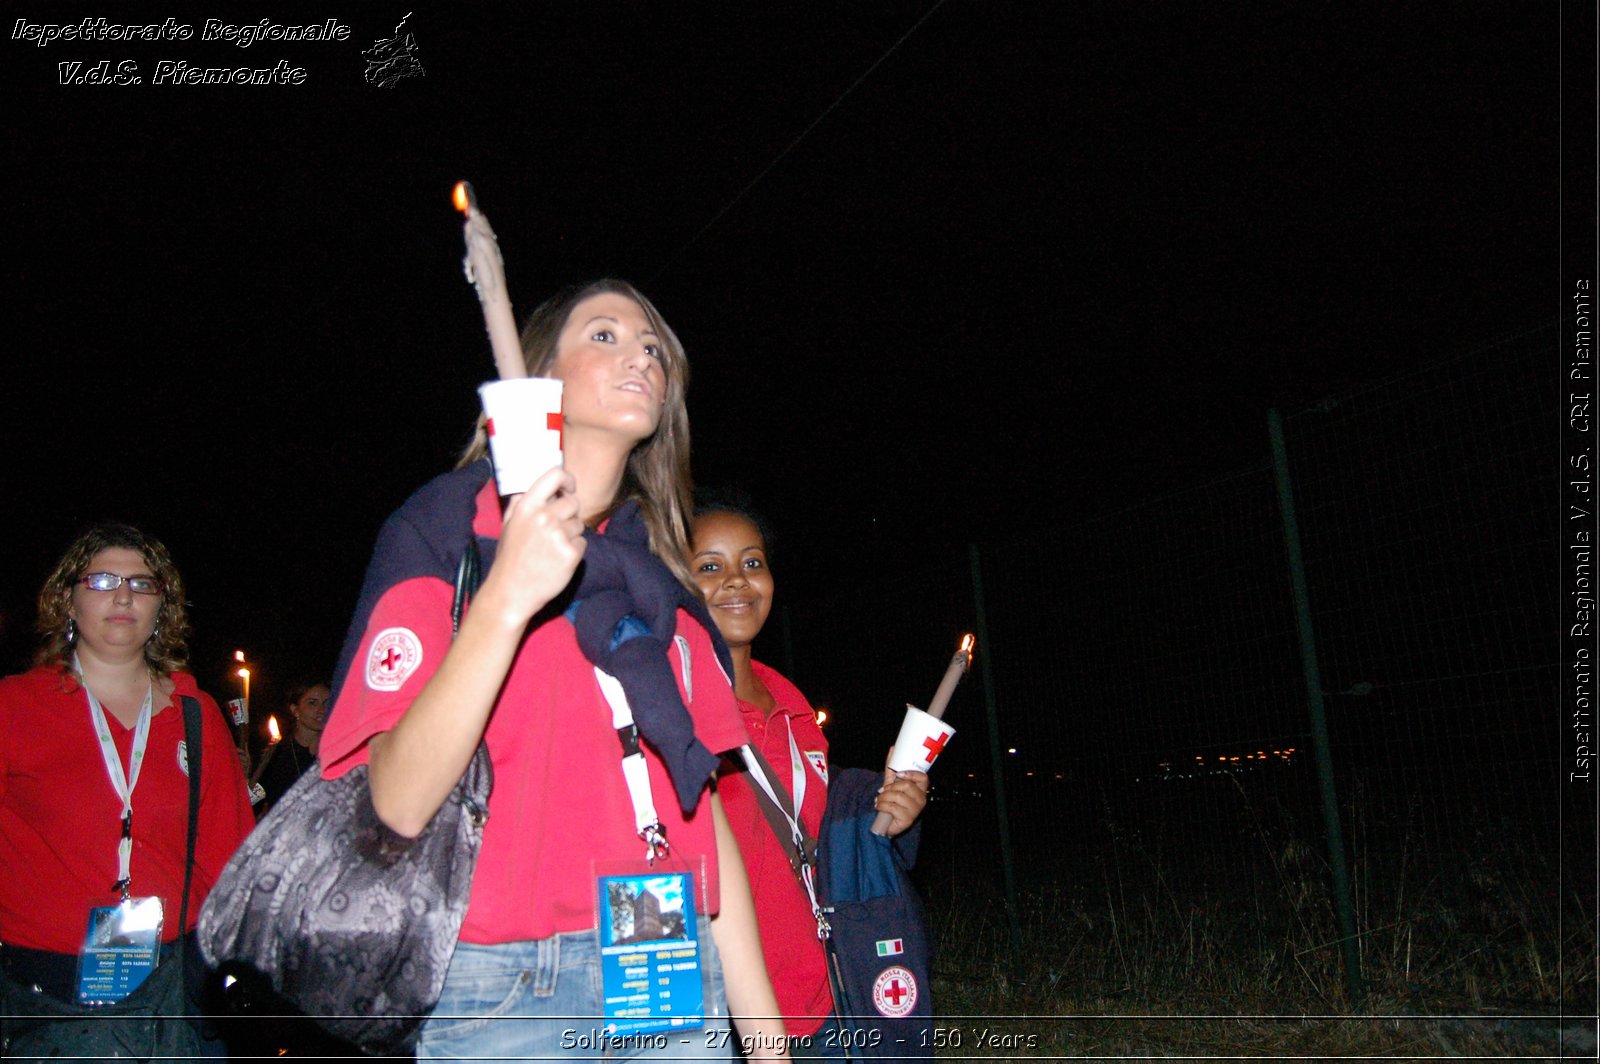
941 700
272 747
952 676
486 270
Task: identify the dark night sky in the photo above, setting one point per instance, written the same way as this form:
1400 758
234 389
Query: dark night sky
1040 258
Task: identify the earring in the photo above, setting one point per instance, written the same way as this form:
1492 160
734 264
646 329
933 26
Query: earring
155 633
72 631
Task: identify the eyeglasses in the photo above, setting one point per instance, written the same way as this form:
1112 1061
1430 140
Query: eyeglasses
139 585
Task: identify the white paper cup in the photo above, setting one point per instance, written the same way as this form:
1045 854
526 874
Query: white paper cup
921 741
524 426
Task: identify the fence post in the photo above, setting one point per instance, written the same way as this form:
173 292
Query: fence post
1349 946
1007 860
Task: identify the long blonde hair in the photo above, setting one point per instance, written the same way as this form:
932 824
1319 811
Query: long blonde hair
657 473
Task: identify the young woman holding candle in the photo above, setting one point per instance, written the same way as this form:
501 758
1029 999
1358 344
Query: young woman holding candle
521 675
287 759
729 559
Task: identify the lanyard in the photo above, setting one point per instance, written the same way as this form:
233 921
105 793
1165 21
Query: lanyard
122 784
647 825
635 773
806 868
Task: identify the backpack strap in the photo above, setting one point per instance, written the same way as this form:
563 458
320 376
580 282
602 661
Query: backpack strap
192 732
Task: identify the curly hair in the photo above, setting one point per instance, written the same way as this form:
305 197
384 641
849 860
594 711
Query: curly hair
166 652
657 473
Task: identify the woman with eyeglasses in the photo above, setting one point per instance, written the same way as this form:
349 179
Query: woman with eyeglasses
94 787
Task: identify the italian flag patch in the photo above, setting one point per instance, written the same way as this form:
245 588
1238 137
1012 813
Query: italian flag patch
891 947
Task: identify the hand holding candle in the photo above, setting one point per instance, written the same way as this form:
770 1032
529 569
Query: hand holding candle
273 738
923 734
522 414
486 270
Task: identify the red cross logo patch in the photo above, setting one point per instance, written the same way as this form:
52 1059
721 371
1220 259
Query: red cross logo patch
395 655
894 992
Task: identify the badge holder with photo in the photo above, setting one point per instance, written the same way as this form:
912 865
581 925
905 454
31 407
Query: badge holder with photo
654 976
120 950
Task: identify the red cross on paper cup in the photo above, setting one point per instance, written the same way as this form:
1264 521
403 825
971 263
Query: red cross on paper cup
922 739
525 429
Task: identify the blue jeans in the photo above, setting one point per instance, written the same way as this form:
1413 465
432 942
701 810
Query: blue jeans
523 1000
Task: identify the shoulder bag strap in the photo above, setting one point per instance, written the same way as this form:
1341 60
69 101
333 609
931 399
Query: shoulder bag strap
777 816
797 843
468 578
803 862
192 731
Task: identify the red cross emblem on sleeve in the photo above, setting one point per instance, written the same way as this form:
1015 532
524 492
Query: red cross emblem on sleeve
394 655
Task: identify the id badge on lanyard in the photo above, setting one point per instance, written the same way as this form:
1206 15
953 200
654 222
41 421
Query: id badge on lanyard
122 945
121 948
653 975
652 963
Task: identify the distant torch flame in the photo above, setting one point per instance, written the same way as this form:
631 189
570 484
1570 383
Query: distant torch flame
272 728
463 198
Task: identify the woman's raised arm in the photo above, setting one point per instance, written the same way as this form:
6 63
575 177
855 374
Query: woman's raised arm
414 765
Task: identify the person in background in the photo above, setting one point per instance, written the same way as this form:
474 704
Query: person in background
729 559
92 752
284 762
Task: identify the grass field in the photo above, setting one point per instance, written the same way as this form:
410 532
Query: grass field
1192 929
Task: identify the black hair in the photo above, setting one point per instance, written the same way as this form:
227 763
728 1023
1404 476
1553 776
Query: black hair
731 499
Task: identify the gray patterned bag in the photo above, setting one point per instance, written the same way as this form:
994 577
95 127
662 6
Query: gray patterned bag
352 923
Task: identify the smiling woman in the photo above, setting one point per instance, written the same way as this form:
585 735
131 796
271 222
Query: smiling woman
729 558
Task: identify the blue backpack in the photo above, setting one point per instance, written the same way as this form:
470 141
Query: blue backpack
880 956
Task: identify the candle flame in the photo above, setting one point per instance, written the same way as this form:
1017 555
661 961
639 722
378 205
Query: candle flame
462 197
272 728
964 651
